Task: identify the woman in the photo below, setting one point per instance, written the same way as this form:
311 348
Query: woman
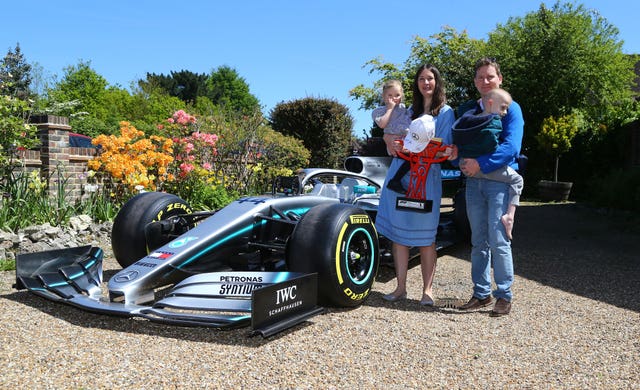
408 229
487 202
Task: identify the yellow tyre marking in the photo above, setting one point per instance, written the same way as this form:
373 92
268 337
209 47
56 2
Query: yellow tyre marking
338 248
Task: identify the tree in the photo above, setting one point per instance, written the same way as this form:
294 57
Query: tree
148 110
82 83
95 107
554 61
85 87
451 52
15 132
323 125
40 83
556 135
567 57
15 74
561 59
558 60
185 85
227 89
223 87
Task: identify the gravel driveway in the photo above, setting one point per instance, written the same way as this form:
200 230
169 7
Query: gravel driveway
575 323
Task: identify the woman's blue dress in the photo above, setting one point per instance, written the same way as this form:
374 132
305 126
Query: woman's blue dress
414 228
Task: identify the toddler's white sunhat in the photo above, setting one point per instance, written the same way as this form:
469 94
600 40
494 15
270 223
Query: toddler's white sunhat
421 131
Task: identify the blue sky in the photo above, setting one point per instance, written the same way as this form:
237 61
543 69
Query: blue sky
284 49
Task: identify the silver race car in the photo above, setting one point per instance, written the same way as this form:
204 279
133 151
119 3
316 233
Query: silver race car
268 261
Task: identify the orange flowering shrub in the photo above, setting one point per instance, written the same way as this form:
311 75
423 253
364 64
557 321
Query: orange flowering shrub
207 170
180 162
130 161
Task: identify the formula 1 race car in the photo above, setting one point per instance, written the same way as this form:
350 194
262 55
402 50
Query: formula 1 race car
270 261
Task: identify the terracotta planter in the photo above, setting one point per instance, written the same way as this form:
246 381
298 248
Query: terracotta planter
554 190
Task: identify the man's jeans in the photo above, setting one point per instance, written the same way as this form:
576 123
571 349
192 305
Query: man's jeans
487 201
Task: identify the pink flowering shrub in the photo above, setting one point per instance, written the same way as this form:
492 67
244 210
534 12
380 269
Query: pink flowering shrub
194 155
197 150
211 160
182 118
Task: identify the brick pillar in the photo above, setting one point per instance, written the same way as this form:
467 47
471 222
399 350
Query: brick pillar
54 153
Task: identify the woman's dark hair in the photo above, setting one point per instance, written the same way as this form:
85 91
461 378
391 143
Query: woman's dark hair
439 95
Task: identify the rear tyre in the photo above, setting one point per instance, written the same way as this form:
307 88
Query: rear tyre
340 243
128 233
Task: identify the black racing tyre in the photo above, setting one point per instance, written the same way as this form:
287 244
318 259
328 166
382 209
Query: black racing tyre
460 219
128 233
340 243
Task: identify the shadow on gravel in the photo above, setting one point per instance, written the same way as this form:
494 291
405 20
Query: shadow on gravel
577 249
580 250
565 246
85 319
452 288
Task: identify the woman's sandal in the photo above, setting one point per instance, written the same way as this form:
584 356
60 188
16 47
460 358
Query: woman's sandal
394 298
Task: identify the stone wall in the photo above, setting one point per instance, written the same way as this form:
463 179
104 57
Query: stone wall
80 231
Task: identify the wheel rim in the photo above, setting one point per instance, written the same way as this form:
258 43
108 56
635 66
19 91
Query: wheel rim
359 256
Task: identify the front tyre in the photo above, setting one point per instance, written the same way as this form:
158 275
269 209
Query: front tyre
128 239
340 243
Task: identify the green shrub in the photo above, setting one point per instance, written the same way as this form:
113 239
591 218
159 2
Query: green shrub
27 201
556 135
7 265
201 191
99 205
323 125
15 132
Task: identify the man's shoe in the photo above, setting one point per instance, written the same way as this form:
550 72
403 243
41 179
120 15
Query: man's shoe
427 301
502 308
475 303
